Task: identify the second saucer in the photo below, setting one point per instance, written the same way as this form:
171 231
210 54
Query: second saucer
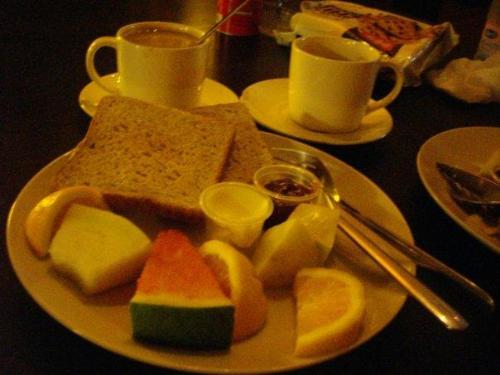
267 102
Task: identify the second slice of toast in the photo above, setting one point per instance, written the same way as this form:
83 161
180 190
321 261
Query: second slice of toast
249 152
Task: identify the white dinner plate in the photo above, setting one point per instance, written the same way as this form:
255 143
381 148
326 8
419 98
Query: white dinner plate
467 148
105 321
267 101
212 93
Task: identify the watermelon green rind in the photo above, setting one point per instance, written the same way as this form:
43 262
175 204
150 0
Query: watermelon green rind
178 300
184 327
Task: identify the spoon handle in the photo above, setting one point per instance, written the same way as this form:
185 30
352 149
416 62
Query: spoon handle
419 255
444 312
431 301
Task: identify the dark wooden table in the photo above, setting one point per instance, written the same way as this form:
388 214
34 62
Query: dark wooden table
43 48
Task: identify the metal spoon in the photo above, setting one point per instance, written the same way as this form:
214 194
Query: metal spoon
221 21
417 254
420 256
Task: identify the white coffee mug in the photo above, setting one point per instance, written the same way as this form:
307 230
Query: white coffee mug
331 83
158 62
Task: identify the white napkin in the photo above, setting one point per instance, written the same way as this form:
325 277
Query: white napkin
473 81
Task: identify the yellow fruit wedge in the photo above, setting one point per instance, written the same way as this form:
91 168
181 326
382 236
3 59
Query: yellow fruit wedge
321 224
98 249
330 308
236 274
282 251
44 219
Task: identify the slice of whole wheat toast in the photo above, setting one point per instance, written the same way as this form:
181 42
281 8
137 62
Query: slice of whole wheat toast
150 157
249 152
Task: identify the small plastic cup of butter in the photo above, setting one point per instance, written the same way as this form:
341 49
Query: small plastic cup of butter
235 212
288 186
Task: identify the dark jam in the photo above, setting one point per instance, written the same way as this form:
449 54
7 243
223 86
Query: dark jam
288 187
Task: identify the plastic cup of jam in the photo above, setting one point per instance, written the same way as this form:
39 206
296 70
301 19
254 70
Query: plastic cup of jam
235 212
288 186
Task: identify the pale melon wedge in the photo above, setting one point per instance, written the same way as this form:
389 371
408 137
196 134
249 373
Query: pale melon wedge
98 249
321 223
282 251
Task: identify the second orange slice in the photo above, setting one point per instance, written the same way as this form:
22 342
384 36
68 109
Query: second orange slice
330 310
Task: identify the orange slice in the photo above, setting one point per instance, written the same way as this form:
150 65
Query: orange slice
237 277
44 219
330 310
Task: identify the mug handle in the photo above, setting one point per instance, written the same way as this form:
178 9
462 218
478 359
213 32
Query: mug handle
105 41
389 98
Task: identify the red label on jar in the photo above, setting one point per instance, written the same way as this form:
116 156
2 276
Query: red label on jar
245 21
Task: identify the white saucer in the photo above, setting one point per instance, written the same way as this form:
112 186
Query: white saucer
267 101
212 93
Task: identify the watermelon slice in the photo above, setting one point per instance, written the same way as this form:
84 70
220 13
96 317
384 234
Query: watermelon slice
178 300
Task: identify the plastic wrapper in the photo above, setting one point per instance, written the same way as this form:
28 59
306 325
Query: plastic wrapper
413 45
473 81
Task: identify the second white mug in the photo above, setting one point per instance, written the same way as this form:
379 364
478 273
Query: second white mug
159 62
331 82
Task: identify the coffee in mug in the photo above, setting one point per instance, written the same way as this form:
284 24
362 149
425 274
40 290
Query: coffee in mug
159 62
331 83
161 38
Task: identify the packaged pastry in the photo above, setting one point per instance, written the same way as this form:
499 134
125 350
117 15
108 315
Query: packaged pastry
413 45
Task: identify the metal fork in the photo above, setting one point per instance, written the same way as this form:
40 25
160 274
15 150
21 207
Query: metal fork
421 257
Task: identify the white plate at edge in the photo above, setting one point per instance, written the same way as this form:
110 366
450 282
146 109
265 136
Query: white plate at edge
466 148
212 93
104 320
267 101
